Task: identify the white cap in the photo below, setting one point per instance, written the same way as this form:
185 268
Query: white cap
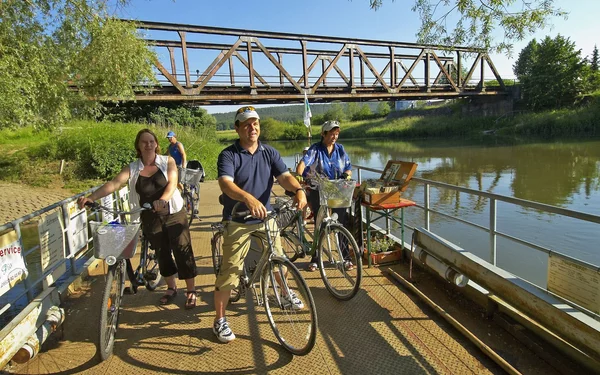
306 148
328 125
245 113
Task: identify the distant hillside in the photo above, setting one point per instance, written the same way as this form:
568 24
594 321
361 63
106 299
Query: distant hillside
289 113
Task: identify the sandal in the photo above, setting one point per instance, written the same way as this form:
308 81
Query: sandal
168 298
190 302
312 267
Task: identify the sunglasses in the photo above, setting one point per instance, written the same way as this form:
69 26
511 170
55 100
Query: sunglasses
246 109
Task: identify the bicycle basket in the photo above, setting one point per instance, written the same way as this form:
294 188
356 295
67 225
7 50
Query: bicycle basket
118 240
285 217
188 176
336 193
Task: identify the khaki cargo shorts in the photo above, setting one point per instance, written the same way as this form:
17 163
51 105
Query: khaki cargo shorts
236 243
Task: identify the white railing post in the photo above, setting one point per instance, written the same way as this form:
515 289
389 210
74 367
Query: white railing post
426 204
493 206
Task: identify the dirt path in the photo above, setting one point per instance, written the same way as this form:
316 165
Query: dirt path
17 200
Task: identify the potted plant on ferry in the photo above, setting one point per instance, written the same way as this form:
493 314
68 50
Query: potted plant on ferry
383 249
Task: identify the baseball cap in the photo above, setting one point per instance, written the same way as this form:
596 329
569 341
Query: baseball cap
328 125
170 134
306 148
245 113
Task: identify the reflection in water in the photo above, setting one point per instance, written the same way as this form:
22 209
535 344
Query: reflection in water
563 174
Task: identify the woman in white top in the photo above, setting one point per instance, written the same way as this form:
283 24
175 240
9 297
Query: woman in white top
152 178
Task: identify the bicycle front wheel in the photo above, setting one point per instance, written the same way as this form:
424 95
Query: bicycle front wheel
151 274
109 310
340 263
289 306
290 244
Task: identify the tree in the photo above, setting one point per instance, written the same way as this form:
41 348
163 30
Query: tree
594 62
478 20
552 73
527 56
49 47
383 109
335 112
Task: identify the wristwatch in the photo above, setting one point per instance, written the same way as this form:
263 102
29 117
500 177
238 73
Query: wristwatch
297 190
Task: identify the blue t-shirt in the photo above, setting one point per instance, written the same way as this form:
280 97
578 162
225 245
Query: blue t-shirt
318 161
252 173
175 154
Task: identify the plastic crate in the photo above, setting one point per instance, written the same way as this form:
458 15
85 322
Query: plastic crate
118 240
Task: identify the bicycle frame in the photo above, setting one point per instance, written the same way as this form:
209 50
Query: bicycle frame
308 247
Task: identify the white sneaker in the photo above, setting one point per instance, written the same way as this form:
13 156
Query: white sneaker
222 331
293 301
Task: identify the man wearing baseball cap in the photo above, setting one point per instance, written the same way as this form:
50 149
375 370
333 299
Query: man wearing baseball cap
246 170
176 150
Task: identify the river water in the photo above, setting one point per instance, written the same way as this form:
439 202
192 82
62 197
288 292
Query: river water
558 173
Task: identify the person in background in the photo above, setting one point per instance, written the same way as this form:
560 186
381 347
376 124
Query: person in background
152 179
326 158
176 150
246 170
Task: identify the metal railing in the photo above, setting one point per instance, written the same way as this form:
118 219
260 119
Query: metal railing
28 304
491 227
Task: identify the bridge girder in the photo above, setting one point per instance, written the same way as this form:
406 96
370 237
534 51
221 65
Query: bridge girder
247 69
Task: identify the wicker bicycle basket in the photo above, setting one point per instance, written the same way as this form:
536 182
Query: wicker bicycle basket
336 193
118 240
188 176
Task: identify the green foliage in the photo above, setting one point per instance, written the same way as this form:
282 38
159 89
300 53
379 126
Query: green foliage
595 60
383 109
335 112
293 132
381 243
363 113
476 21
552 73
57 44
271 129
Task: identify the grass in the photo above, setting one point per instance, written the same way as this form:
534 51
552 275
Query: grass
93 152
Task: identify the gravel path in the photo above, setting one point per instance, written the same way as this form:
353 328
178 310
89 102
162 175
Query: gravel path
17 200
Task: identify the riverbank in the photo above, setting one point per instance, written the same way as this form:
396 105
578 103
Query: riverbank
582 121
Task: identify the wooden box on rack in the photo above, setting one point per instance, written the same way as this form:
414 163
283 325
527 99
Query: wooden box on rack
397 173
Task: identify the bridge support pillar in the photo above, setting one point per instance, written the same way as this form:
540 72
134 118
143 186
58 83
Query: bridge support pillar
489 106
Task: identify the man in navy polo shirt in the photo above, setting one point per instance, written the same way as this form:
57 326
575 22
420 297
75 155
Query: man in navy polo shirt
246 170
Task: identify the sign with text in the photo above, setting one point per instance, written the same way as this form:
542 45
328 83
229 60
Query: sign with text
12 265
574 282
52 246
107 201
78 234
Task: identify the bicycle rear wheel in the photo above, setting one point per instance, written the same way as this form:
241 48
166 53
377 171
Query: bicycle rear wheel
189 206
293 320
110 308
341 281
216 244
151 274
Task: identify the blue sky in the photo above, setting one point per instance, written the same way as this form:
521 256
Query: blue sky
352 19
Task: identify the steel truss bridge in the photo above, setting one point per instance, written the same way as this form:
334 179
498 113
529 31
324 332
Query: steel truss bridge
211 65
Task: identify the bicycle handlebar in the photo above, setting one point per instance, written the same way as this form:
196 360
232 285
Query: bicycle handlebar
99 207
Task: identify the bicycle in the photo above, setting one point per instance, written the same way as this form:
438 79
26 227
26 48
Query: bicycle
190 178
330 240
116 243
279 283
